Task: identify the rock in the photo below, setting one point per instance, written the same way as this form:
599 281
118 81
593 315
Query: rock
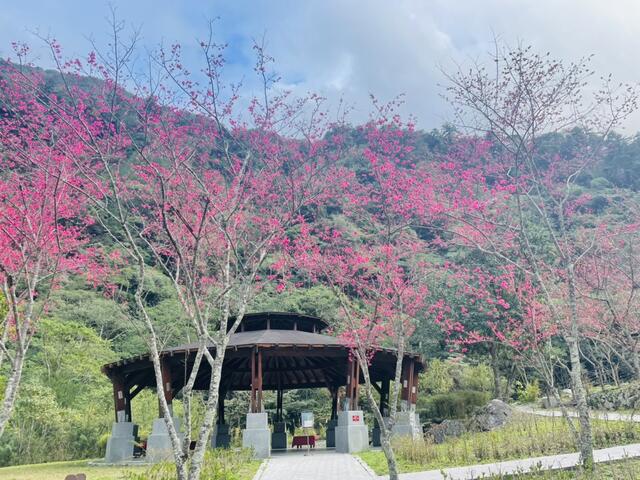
493 415
447 429
550 402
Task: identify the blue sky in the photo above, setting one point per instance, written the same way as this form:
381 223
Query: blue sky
348 48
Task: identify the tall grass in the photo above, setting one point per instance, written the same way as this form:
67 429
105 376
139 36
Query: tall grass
525 436
219 464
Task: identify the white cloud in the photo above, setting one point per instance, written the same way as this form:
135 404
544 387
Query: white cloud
353 48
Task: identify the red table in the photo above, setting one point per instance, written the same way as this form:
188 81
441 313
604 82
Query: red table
301 440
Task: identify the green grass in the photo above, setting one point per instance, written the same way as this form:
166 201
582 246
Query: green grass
59 470
526 436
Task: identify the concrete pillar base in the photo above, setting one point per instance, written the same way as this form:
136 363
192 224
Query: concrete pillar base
408 425
159 443
121 442
220 437
257 435
279 436
352 434
331 433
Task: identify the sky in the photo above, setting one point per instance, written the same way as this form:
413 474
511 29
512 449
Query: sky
351 49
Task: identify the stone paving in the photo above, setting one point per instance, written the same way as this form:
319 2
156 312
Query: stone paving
317 465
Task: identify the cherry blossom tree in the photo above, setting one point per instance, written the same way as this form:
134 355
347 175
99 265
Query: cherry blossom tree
525 96
42 231
371 257
491 308
607 284
184 178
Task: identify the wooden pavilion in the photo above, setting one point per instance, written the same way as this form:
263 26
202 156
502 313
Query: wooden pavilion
270 351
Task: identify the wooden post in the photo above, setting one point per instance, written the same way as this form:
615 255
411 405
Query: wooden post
349 384
279 397
166 386
253 381
410 378
416 383
404 393
256 381
384 397
120 394
353 383
259 380
334 402
356 386
127 405
221 396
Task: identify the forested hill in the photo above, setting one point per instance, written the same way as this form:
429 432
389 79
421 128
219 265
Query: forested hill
65 407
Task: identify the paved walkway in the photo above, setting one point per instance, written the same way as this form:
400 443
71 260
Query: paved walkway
329 465
625 417
318 465
522 466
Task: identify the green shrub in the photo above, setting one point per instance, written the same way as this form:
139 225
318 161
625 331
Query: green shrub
528 393
478 377
444 376
458 404
437 379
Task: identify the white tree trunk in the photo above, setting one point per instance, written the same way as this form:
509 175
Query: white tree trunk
11 390
585 438
210 415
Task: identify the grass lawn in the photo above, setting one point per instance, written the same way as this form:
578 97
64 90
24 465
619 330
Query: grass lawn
58 470
525 436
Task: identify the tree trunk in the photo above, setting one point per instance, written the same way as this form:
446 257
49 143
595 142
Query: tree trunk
385 432
11 390
210 415
585 437
580 396
497 390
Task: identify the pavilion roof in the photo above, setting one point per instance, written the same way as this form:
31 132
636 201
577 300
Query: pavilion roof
295 358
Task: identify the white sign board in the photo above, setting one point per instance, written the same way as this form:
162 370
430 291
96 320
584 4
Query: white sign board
307 419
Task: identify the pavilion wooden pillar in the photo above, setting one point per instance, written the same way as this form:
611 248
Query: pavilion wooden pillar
256 380
166 386
353 383
121 399
384 397
334 402
221 395
414 386
409 383
279 398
